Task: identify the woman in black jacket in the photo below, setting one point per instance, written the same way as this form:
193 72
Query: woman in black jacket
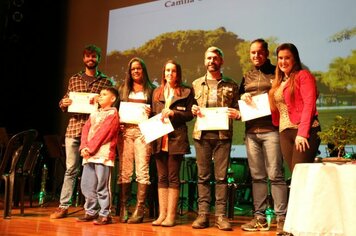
174 101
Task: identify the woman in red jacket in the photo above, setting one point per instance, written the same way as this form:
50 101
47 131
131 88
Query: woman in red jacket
293 103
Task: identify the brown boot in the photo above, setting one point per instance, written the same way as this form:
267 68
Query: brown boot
173 194
223 223
163 204
137 216
201 222
124 199
59 213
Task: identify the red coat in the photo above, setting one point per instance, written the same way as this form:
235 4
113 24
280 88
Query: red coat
302 110
100 135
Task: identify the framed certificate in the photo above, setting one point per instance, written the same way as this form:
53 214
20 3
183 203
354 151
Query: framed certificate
213 118
82 102
258 108
132 112
154 128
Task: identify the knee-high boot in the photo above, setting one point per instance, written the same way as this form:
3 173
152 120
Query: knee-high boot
137 216
124 199
163 204
173 194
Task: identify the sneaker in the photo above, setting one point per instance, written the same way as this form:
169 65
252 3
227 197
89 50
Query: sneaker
256 224
87 218
201 222
103 220
59 213
222 223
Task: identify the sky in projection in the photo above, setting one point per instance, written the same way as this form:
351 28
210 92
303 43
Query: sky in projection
307 24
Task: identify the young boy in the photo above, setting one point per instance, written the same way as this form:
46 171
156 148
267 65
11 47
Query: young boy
98 149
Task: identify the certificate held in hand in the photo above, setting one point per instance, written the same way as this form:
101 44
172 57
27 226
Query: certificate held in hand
213 118
258 108
82 102
155 128
132 112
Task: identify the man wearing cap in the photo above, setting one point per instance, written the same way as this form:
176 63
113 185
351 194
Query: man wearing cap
213 147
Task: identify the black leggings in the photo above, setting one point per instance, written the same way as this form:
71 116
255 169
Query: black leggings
290 153
168 170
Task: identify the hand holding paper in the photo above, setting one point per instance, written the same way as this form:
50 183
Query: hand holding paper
82 102
259 107
213 118
155 128
133 113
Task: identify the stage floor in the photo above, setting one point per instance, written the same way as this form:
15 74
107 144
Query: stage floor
36 221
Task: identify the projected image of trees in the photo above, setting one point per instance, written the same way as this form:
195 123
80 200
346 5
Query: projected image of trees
187 47
335 74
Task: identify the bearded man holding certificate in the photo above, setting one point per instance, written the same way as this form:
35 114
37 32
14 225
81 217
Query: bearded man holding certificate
217 98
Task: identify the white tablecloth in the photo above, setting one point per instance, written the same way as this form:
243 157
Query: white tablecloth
322 200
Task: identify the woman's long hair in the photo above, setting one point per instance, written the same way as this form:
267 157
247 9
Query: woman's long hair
127 86
280 74
178 86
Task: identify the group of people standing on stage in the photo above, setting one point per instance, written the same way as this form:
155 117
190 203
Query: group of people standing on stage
289 134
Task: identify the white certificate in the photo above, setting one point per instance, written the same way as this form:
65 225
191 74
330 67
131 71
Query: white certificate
132 112
258 108
154 128
213 118
82 102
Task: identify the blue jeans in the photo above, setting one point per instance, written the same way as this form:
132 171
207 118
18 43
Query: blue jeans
95 185
73 163
265 161
208 150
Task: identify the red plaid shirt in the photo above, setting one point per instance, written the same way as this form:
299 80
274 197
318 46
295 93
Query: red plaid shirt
78 84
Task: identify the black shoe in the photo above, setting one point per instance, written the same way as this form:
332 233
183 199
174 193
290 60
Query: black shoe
87 218
103 220
222 223
201 222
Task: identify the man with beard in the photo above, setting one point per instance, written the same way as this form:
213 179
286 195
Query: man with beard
91 80
213 90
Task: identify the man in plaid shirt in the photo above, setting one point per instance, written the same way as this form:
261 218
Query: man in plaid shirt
91 80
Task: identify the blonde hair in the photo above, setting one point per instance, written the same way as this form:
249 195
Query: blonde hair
215 50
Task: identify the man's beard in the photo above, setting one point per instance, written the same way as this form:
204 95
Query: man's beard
91 67
213 68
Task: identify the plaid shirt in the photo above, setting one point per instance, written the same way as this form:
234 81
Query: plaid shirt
78 84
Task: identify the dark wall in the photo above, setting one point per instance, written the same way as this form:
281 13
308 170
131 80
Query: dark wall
40 52
87 24
33 35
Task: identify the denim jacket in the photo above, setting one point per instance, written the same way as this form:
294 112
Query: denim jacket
228 95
